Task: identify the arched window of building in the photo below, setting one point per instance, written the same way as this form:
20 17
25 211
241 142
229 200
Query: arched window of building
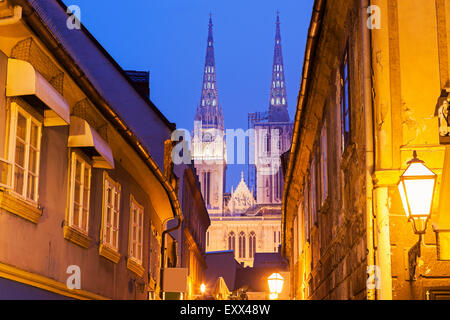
231 241
242 245
252 244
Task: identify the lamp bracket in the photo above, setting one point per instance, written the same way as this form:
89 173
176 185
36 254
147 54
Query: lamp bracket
444 119
413 254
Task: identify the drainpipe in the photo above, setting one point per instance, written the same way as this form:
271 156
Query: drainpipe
14 18
370 142
163 251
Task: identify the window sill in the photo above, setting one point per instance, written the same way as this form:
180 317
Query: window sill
135 267
109 253
76 236
19 207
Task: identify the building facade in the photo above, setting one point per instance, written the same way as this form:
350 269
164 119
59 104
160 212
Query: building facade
83 204
191 237
372 74
240 221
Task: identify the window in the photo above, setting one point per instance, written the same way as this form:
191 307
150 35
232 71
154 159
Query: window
345 101
307 208
242 245
80 187
25 153
111 213
324 163
313 192
231 241
252 244
136 231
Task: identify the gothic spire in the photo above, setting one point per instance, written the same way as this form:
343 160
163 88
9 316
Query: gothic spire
278 97
209 111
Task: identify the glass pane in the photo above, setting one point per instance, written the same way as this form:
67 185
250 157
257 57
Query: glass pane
21 127
77 194
87 174
114 238
108 196
116 201
134 233
85 217
32 164
116 220
31 187
86 199
108 216
76 215
34 135
108 234
20 154
18 180
77 170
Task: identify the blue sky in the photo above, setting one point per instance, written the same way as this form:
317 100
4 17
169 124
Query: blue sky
168 38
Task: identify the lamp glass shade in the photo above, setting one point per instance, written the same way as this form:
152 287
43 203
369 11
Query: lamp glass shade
276 282
416 189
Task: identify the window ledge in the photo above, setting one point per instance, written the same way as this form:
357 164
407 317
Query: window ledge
76 236
135 267
19 207
109 253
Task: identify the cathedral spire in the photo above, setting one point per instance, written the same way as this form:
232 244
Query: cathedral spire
209 111
278 96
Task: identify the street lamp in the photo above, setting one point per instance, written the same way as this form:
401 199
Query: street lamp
203 289
416 186
276 282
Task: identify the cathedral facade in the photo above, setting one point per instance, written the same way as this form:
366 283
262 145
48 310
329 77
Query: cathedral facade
245 221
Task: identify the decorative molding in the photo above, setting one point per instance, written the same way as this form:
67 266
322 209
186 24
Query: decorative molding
44 283
76 236
109 253
135 267
19 207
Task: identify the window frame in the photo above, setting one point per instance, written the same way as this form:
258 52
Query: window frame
345 99
15 110
140 208
324 163
116 188
77 155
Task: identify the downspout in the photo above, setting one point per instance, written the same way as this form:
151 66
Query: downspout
14 18
371 292
163 251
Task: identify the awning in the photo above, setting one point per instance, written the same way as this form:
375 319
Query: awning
82 135
24 80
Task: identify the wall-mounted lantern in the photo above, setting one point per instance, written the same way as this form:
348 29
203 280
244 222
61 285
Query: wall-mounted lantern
417 186
276 282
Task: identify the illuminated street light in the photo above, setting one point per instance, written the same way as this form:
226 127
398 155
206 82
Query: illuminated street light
416 186
203 288
276 282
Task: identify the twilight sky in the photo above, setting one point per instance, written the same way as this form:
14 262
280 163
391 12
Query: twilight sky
168 38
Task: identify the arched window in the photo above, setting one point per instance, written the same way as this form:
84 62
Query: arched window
252 244
231 241
242 245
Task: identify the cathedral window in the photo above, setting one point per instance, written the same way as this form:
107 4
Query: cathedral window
278 84
273 101
278 101
231 241
214 102
203 102
242 245
212 85
284 101
252 244
282 84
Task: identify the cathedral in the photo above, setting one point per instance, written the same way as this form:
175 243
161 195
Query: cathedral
247 221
